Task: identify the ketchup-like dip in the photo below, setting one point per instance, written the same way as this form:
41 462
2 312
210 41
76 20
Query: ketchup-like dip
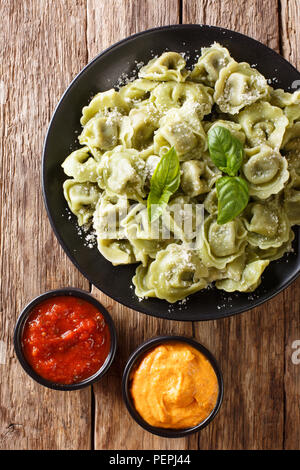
66 339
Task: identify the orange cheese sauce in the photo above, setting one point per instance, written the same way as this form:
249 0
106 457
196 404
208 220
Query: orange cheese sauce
174 386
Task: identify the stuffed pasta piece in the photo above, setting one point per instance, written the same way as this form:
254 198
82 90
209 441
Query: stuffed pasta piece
137 91
102 132
267 224
182 129
168 66
121 172
143 122
265 170
239 85
289 102
198 176
82 199
250 278
111 239
146 239
263 123
212 60
81 166
219 245
171 94
175 273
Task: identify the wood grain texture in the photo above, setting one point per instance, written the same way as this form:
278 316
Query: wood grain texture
108 21
255 18
290 29
42 48
290 42
250 347
114 428
44 43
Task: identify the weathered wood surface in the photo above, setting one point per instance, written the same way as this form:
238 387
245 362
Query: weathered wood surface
42 48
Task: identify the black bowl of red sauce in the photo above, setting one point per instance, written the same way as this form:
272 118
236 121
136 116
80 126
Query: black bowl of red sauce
65 339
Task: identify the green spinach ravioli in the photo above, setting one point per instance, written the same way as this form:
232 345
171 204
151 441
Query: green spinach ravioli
127 132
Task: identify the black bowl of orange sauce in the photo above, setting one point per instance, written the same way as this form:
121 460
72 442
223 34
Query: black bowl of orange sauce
149 352
65 339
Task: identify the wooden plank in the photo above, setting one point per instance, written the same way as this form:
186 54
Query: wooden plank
250 347
290 41
292 367
42 48
252 17
114 428
108 21
290 28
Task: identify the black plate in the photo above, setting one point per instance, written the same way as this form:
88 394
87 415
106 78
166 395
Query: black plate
103 73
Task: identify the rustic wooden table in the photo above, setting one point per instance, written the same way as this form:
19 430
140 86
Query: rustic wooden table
44 44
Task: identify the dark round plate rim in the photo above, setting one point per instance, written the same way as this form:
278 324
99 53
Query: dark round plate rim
217 314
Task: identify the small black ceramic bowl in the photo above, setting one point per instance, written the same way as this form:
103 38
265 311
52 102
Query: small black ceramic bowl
136 357
101 74
18 333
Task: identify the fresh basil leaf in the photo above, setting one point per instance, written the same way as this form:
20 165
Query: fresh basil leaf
226 151
233 196
164 182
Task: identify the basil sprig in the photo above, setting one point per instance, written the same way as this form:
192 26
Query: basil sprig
164 182
226 151
233 196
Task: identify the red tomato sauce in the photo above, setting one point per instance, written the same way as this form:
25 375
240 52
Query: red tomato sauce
66 339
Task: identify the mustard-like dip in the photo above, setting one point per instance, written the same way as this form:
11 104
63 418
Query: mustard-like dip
174 386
